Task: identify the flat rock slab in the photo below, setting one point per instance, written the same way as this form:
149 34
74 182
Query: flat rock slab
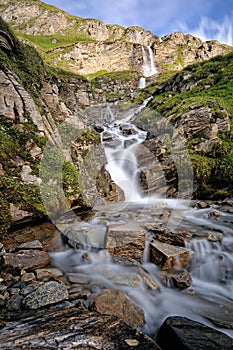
46 294
126 240
73 328
114 302
26 259
184 334
167 256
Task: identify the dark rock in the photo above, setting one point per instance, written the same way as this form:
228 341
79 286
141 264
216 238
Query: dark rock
113 302
14 303
26 259
184 334
46 294
73 328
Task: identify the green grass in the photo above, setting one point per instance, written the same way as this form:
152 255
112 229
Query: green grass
47 43
214 89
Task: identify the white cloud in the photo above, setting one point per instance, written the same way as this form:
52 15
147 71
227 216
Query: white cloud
209 29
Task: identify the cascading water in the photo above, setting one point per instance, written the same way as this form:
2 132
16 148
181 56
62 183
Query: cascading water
211 268
148 65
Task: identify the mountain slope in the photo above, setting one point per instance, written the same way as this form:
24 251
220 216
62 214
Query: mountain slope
198 103
86 46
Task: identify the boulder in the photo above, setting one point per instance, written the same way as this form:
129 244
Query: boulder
46 294
26 259
184 334
113 302
126 240
167 256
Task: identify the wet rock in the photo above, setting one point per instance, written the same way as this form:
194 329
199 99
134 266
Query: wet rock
183 333
26 259
46 294
107 188
221 315
126 240
177 238
180 278
73 328
140 272
167 256
113 302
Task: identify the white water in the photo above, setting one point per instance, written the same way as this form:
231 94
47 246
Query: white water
211 268
148 65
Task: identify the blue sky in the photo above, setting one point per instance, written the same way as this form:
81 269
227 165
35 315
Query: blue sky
207 19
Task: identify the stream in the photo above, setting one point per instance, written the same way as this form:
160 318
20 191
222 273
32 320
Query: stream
211 268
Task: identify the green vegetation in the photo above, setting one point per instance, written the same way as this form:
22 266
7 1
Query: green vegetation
25 61
205 84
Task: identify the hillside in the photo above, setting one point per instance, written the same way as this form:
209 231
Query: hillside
198 103
87 46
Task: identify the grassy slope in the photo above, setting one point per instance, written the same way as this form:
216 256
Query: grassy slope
214 88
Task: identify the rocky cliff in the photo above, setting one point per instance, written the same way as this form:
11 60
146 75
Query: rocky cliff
87 46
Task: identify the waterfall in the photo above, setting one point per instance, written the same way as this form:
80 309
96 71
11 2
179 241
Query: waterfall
211 267
148 65
121 159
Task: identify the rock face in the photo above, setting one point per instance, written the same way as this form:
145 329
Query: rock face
96 46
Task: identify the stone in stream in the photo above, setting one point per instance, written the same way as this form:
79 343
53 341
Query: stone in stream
184 334
167 256
115 303
72 328
126 240
46 294
180 278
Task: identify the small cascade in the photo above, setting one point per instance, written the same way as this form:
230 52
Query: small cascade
148 65
121 159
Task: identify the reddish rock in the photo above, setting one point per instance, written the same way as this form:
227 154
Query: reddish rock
126 241
26 259
180 278
167 256
115 303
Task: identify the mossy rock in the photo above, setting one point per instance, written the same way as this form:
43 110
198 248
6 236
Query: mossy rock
5 216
